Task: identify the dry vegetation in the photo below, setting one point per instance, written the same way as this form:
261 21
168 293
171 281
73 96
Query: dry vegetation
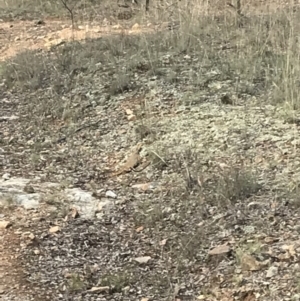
216 102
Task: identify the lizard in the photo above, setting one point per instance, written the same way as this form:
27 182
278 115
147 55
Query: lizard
132 162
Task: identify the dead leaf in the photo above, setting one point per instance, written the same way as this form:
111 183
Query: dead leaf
249 263
54 229
139 229
5 224
222 249
143 259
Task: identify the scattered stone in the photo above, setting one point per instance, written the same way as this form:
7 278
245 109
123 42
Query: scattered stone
5 224
83 201
99 289
144 186
6 176
272 271
139 229
143 259
102 204
222 249
8 118
110 194
54 229
37 252
118 26
163 242
296 297
135 26
28 201
131 118
31 236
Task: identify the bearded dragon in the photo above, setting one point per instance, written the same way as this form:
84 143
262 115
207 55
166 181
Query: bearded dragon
133 160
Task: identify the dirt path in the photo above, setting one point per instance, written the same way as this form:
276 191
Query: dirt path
18 36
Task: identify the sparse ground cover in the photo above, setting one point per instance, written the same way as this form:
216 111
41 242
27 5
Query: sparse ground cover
215 103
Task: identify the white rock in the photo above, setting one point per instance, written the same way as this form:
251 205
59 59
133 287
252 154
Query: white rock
272 271
110 194
6 176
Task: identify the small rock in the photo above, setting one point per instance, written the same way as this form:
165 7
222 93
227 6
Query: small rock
129 112
31 236
296 297
54 229
6 176
100 215
36 252
28 201
99 289
110 194
17 39
272 271
131 118
222 249
118 26
139 229
144 186
135 26
143 259
5 224
163 242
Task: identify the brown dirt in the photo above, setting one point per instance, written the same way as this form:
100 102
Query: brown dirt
13 283
18 36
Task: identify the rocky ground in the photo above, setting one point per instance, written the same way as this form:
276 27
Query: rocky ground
158 162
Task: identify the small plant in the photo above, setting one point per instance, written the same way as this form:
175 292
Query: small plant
120 84
236 184
116 282
75 283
